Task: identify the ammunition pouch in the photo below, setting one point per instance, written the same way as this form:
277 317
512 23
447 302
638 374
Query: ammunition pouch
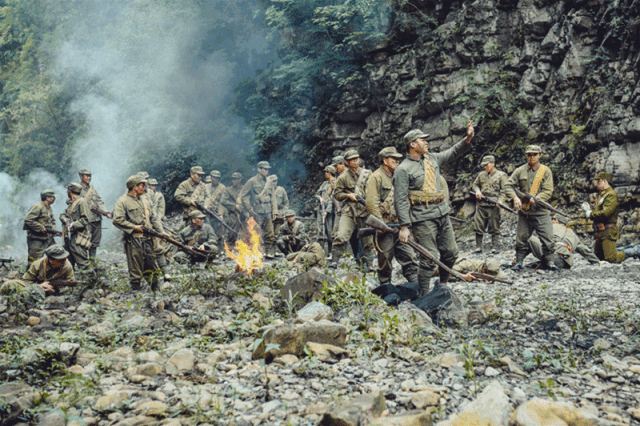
419 198
83 238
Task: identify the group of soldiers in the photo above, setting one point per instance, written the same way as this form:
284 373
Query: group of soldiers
408 194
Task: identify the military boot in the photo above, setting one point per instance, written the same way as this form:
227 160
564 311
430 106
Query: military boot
519 266
93 252
478 243
369 259
336 253
424 277
495 244
632 251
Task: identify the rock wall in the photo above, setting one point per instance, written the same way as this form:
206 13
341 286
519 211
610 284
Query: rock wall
560 74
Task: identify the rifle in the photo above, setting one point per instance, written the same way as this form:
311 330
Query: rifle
376 223
61 283
457 219
487 277
365 232
65 229
214 215
3 262
192 251
53 232
359 198
95 209
541 203
494 201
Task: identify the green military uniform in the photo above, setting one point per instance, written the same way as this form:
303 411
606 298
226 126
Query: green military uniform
39 272
77 218
232 216
532 217
189 191
605 218
424 208
292 236
566 244
379 196
130 212
256 197
309 256
39 218
487 214
93 198
193 236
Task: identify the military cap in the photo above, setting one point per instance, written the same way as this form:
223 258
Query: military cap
144 174
197 170
414 134
47 193
207 179
75 187
492 266
289 213
533 149
215 173
604 175
135 180
263 165
487 159
387 152
152 182
56 251
196 214
236 175
339 159
351 154
330 169
84 172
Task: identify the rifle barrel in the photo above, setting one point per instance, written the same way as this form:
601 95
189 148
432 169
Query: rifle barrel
215 216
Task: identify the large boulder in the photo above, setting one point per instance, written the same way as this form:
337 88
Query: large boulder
305 287
490 408
359 411
443 306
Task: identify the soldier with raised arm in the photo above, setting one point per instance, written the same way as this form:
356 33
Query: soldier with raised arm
380 204
93 198
535 179
421 204
190 192
490 183
40 225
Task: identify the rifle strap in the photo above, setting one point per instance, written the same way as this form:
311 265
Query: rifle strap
387 208
216 193
194 239
89 194
535 185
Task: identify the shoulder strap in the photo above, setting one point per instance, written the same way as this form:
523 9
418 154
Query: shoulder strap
537 180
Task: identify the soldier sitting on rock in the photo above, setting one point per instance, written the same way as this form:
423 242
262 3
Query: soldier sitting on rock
309 256
199 235
292 234
35 283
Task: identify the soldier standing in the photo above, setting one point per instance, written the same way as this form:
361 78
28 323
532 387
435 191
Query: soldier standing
536 179
156 197
76 220
256 197
489 183
190 192
420 203
350 186
40 225
232 211
566 244
292 235
380 204
281 201
605 217
130 214
94 200
338 163
214 192
326 212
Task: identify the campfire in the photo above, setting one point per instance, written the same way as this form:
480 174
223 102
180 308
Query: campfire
247 256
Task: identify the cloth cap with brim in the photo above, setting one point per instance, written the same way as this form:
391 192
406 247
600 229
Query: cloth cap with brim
207 179
492 266
330 169
84 172
289 213
533 149
47 193
197 170
487 159
604 175
414 134
144 174
236 175
337 160
152 182
351 154
74 187
215 173
135 180
56 252
196 214
389 151
263 165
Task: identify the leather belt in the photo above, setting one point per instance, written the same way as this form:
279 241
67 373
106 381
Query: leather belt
425 202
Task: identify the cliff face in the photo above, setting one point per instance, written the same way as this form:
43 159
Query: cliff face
563 75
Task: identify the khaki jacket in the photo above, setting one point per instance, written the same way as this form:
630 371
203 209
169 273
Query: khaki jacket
90 194
252 196
195 237
130 212
188 192
491 185
345 185
522 178
40 272
38 216
78 214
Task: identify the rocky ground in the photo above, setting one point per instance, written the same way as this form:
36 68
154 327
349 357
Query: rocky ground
184 356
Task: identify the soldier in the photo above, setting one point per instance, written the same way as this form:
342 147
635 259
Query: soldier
566 244
198 235
76 220
94 200
53 265
233 212
130 214
281 201
190 192
309 256
292 235
338 163
380 204
605 218
420 203
488 266
349 186
489 183
40 225
536 179
156 197
326 213
256 198
214 192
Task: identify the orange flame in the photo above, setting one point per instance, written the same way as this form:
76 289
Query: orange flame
247 256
